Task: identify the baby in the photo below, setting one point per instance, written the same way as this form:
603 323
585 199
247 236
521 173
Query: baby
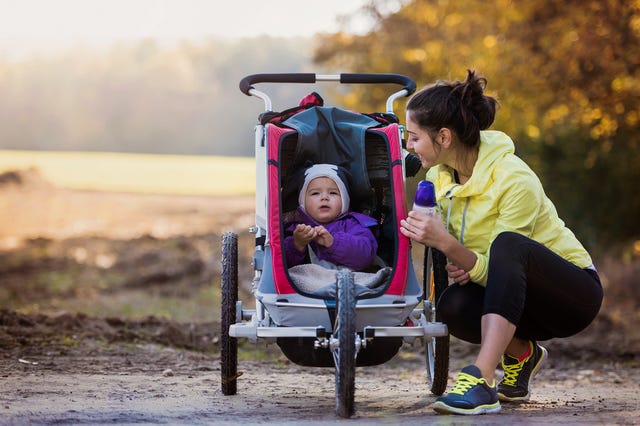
323 230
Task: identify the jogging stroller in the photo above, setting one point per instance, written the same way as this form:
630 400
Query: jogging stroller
345 323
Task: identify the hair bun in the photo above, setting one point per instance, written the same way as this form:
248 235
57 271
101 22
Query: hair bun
459 105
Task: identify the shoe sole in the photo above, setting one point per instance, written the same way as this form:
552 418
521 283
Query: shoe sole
443 408
504 398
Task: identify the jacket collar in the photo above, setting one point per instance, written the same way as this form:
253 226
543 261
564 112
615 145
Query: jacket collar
494 145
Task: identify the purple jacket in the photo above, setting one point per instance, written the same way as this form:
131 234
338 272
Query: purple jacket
354 243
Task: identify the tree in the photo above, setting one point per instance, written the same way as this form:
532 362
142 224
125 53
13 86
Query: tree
566 74
585 133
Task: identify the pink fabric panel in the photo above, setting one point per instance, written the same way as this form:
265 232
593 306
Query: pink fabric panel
274 137
400 272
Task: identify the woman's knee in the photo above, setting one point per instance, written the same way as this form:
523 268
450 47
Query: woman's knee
508 239
460 307
508 244
464 325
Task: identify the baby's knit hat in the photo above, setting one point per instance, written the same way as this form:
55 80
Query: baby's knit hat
324 170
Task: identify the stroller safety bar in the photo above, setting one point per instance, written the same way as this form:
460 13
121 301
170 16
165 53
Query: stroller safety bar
409 86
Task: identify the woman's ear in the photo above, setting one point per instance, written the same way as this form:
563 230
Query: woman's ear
444 137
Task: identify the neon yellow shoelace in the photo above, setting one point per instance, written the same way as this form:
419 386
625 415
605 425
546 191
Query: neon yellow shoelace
464 383
511 373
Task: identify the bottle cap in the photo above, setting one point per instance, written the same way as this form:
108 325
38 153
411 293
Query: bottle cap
425 194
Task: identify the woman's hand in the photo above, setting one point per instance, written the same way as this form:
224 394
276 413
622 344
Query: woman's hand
457 274
424 228
430 231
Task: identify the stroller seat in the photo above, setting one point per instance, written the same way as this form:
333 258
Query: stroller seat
371 151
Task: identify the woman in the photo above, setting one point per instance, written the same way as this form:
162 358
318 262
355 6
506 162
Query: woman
519 275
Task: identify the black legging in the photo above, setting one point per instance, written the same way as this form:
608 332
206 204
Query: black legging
539 292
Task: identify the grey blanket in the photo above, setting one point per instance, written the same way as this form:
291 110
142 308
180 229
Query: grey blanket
320 281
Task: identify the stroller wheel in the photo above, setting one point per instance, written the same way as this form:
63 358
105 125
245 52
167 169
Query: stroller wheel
437 350
229 284
438 363
345 353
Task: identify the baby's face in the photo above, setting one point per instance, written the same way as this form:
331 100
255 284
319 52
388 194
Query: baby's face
323 201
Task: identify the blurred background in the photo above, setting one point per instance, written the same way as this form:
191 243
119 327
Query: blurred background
160 79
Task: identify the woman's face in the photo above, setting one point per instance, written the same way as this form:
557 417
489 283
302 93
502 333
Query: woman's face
420 142
323 201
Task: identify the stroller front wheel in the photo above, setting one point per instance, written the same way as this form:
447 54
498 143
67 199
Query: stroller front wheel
344 353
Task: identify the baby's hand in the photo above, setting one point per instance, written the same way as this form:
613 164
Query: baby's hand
323 237
302 235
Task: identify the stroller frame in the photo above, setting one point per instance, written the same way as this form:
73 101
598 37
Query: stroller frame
358 323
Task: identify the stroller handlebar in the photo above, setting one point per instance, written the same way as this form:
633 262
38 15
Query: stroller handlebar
408 84
246 84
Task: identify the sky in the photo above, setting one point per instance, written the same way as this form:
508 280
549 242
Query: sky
42 25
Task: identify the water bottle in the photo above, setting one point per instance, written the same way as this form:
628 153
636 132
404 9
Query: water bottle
425 198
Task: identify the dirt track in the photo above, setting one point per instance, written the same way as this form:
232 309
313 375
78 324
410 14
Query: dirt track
61 367
151 383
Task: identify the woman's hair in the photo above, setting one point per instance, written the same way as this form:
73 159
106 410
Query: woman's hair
460 106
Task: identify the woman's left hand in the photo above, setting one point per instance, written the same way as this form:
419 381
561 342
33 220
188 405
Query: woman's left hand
457 274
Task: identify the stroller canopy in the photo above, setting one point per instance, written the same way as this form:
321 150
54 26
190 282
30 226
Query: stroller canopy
335 136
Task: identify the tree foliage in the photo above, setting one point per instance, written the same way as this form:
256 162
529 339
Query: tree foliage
566 73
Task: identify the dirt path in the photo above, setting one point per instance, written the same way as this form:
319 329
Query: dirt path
148 383
121 257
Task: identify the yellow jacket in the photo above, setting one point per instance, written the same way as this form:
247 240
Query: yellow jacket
503 194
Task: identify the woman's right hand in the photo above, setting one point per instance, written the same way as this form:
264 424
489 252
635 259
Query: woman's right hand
430 231
424 228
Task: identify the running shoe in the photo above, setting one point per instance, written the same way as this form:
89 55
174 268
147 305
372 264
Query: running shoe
518 375
471 395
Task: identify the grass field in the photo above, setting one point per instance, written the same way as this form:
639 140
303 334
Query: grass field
148 173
